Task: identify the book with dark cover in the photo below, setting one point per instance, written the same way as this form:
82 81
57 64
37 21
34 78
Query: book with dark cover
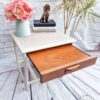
51 23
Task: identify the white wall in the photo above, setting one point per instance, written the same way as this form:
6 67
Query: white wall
6 47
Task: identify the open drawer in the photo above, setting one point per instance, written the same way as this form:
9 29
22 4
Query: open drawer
55 62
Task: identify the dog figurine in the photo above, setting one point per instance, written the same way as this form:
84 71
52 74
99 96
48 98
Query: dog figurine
45 15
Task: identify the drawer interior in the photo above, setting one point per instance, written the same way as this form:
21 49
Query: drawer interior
55 62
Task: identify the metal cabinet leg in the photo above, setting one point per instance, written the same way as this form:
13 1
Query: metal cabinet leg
27 68
18 63
25 76
26 81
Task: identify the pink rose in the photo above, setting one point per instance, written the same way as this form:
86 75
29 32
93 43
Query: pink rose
28 10
8 12
9 15
24 17
27 7
9 6
18 11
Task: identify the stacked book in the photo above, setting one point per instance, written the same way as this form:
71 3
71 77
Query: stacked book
39 26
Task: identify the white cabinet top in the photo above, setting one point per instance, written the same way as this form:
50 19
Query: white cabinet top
39 41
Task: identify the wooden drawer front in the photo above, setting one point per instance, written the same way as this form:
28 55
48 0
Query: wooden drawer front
72 68
56 62
82 64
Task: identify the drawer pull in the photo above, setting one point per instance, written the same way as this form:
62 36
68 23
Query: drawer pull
76 67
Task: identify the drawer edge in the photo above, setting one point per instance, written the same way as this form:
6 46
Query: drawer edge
59 73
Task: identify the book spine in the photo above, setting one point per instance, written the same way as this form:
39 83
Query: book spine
44 29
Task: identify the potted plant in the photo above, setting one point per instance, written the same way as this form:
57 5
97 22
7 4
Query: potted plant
79 10
20 11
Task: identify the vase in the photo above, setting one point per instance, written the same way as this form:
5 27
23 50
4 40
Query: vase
22 28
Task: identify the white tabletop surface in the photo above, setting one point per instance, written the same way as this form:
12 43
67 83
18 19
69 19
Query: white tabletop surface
39 41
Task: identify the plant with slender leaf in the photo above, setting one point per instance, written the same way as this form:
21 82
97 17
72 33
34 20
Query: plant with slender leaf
80 10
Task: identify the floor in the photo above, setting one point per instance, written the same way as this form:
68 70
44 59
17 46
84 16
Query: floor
80 85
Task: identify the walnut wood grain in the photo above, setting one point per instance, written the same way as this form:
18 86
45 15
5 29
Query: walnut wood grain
53 62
